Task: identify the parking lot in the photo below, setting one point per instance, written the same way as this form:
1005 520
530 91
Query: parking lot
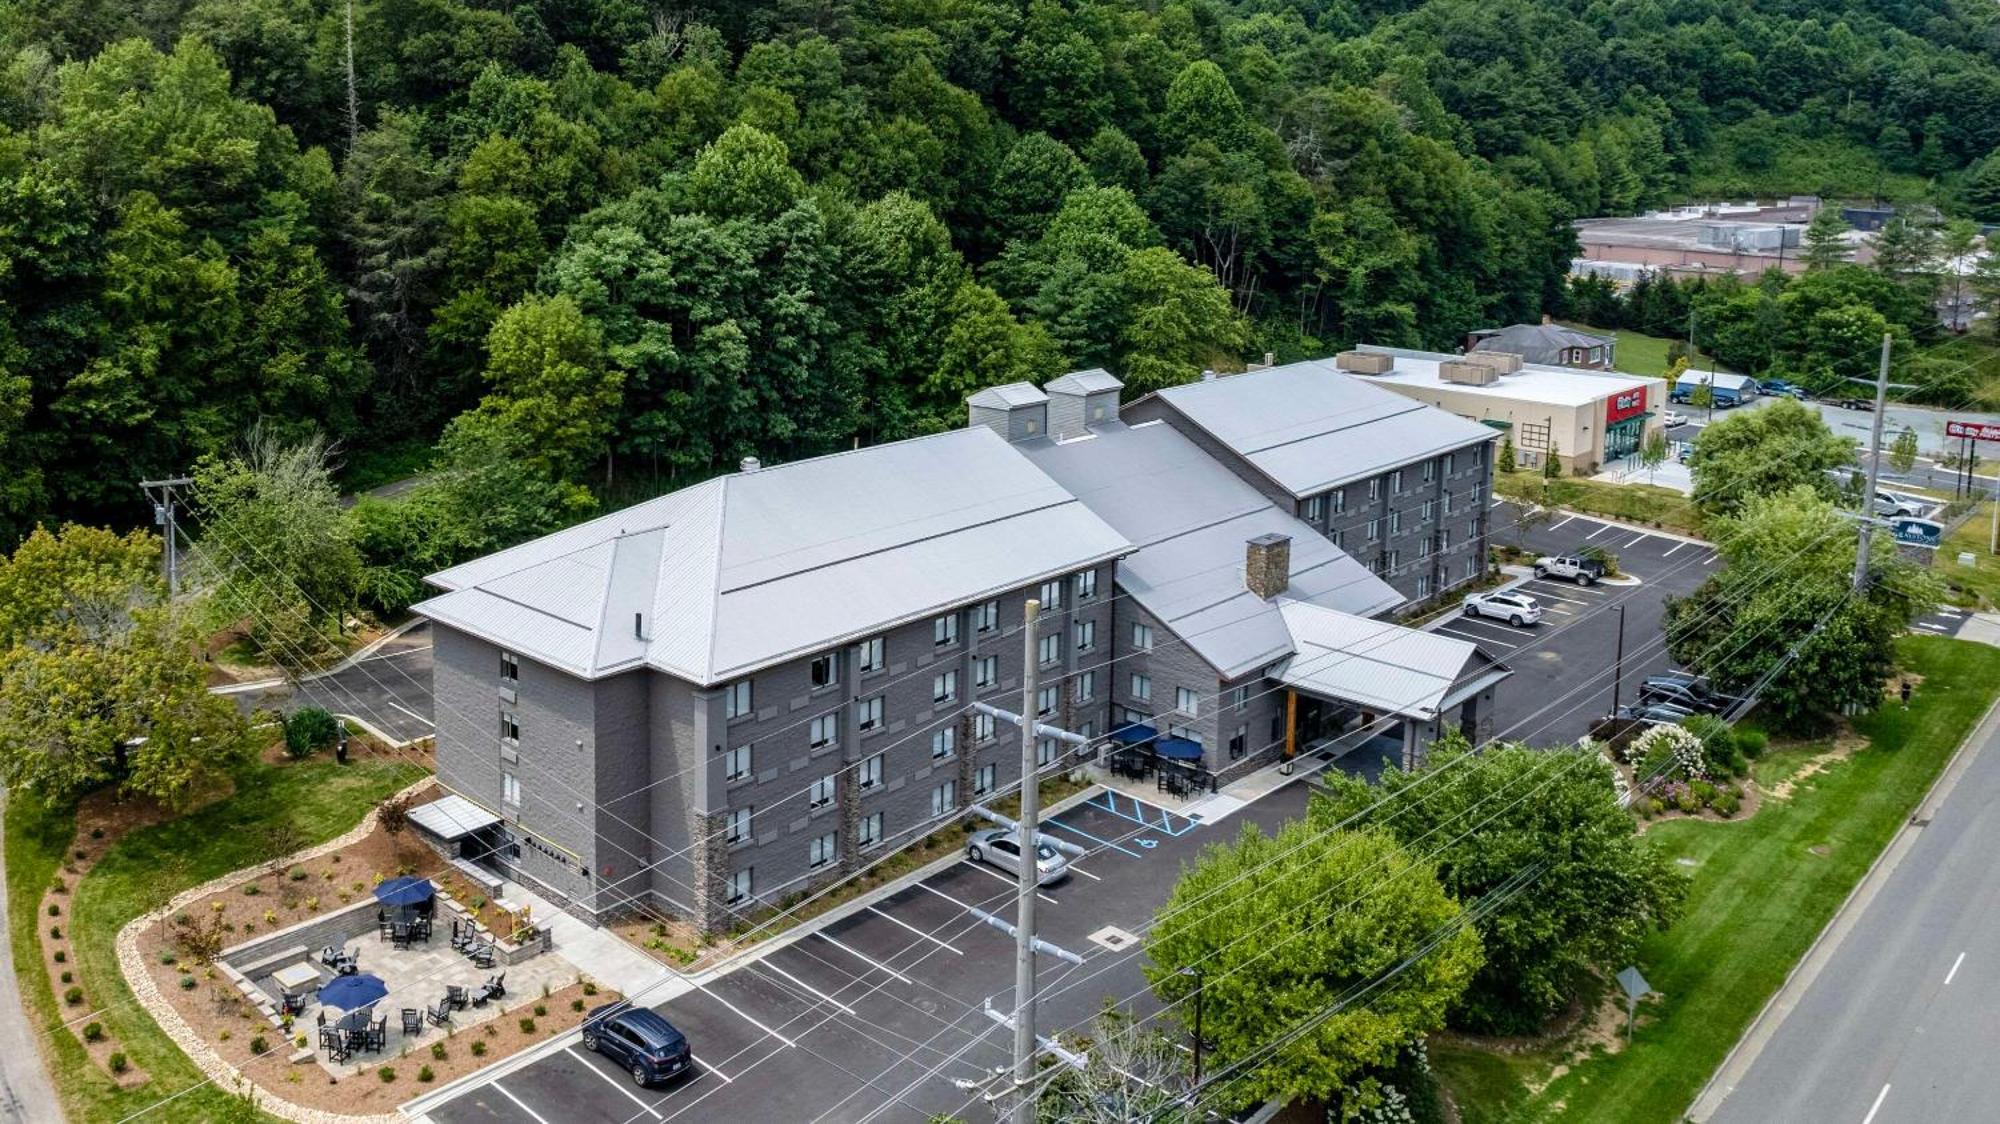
872 1016
1563 667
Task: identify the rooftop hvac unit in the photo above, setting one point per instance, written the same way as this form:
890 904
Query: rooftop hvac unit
1467 373
1502 362
1365 362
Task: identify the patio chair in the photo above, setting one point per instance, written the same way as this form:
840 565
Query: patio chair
455 995
378 1035
439 1015
413 1021
482 957
399 935
294 1003
497 985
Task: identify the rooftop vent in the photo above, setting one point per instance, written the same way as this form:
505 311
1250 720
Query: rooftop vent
750 464
1365 362
1502 362
1467 373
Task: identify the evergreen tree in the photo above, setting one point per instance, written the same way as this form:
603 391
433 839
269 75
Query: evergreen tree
1826 239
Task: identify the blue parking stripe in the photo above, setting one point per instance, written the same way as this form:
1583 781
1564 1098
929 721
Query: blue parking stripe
1138 816
1094 839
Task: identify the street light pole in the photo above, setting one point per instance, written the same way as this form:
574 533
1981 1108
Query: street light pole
1618 667
1030 870
1867 519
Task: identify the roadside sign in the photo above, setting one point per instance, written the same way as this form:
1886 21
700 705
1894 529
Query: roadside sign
1972 430
1911 531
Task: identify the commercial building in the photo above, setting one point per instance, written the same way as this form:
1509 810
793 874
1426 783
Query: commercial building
714 701
1589 418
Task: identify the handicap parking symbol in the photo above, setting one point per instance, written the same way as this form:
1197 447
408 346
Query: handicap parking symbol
1148 844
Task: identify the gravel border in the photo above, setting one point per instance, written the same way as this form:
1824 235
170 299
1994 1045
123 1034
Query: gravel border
212 1064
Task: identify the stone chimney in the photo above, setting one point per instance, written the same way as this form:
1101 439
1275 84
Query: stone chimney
1267 564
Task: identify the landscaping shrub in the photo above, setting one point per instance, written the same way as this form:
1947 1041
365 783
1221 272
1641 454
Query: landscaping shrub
438 1052
425 1074
55 932
527 1026
590 987
541 1009
259 1046
166 956
93 1032
309 730
576 1004
55 910
68 977
479 1049
1726 802
387 1073
296 874
73 996
187 983
117 1062
61 956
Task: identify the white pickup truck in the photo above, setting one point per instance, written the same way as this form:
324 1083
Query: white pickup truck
1569 567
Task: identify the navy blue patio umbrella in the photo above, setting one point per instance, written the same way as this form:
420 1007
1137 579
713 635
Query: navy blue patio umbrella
349 992
405 891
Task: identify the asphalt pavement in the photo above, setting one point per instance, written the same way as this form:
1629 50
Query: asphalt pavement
1893 1017
25 1091
387 689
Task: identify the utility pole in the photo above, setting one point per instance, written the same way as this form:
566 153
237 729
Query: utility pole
1867 519
1195 1086
1030 876
161 492
1618 666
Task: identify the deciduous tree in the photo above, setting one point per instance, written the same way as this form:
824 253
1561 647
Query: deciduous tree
1763 452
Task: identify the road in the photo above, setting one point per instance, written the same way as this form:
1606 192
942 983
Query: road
1896 1016
388 689
1927 423
25 1091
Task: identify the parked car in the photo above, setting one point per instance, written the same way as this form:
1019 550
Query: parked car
996 846
1891 505
1656 713
1569 567
1865 404
1673 418
1781 387
1682 696
639 1041
1692 685
1515 608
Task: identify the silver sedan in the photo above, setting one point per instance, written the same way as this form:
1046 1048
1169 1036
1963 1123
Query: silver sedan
996 846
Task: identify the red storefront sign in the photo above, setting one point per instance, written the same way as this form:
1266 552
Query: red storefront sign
1625 404
1977 431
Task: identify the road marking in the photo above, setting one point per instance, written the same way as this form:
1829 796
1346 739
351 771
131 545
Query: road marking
917 931
393 655
1479 639
1563 524
984 869
1079 832
411 713
766 963
614 1083
1929 627
864 959
1633 543
1497 501
518 1103
1504 629
1598 531
1876 1107
746 1018
1075 869
711 1067
1711 560
1954 969
941 893
1670 553
1557 596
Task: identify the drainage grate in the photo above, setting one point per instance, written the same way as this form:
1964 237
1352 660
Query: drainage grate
1114 938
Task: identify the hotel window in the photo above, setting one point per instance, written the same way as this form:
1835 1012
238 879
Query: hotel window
1396 483
1339 501
1050 648
1444 538
944 688
1086 635
1236 742
510 668
1374 530
736 763
1395 560
986 671
1430 471
821 792
1395 523
869 773
944 798
870 655
1374 489
1186 701
1315 508
1142 636
944 742
825 671
1239 697
1423 586
739 886
1447 503
1086 585
1142 688
1086 729
1340 540
1423 548
1086 686
1045 753
1046 699
823 849
1449 458
510 728
736 699
944 630
738 828
510 789
1430 509
823 730
868 714
871 830
984 780
1051 596
982 727
986 616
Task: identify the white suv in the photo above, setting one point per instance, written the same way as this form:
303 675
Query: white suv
1516 609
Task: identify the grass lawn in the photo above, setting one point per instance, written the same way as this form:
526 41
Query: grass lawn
1641 354
1648 505
1981 580
139 872
1762 889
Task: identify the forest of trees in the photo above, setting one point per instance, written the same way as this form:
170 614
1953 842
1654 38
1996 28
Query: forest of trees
591 248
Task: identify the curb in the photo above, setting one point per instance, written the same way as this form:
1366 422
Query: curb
1744 1053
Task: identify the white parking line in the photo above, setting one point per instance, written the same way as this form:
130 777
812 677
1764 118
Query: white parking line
1598 531
1876 1107
917 931
398 654
613 1082
411 713
941 893
711 1067
1635 542
1563 524
766 964
1711 560
984 869
1478 639
1497 501
1670 553
1075 869
1954 969
1503 629
746 1018
1928 627
1540 593
522 1105
864 959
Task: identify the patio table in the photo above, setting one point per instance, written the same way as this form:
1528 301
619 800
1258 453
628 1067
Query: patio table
297 977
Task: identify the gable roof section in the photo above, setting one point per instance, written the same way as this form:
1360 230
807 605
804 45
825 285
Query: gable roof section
1309 426
1008 396
737 573
1190 518
1096 380
1537 343
1382 666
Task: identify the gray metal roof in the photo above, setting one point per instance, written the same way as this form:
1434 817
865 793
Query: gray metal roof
1309 426
1096 380
452 817
1380 665
748 570
1191 518
1008 396
1537 343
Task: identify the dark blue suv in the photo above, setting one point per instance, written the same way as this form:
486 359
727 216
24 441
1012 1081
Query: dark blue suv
639 1041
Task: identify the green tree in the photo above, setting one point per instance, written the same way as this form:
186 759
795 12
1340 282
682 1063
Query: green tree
1552 465
1903 453
1826 240
1781 606
1653 453
1982 188
1601 890
746 173
1284 937
552 388
1178 320
1764 452
1506 461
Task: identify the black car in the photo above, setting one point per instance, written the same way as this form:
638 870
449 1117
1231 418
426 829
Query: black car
1651 712
639 1041
1680 695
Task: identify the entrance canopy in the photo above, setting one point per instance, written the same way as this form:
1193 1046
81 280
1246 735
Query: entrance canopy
1134 733
453 817
1178 749
1382 667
